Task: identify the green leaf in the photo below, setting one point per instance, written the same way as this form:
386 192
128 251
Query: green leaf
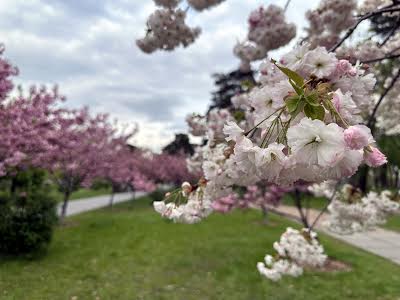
292 103
239 115
299 90
247 84
299 109
297 78
312 99
314 112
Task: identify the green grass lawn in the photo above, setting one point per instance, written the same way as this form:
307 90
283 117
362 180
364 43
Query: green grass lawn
131 253
393 223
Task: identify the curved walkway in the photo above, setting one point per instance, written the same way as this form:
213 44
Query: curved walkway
87 204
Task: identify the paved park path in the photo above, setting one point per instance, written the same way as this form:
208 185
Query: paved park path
382 242
87 204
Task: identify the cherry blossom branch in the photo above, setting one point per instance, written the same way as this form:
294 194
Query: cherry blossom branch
367 16
385 92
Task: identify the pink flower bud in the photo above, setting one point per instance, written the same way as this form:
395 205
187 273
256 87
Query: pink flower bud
336 101
352 72
374 157
357 137
343 66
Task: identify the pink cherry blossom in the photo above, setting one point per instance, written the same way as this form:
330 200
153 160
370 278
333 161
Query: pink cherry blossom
358 136
374 157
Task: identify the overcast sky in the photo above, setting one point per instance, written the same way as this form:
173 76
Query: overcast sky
88 48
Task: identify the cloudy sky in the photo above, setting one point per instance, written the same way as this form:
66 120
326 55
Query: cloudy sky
88 48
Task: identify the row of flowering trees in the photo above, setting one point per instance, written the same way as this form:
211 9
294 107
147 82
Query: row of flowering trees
74 147
312 116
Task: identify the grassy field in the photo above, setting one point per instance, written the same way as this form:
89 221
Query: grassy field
393 223
131 253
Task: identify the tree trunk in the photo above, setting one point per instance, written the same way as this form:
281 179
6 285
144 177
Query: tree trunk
303 217
13 187
264 214
384 177
64 206
111 204
363 181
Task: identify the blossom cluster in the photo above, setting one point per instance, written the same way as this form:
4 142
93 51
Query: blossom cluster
299 141
167 30
189 205
268 30
295 251
203 4
329 20
197 124
351 212
6 71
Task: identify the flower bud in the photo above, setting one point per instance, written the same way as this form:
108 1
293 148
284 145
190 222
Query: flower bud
357 137
374 158
186 188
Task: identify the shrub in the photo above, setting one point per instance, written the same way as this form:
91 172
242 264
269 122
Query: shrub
27 216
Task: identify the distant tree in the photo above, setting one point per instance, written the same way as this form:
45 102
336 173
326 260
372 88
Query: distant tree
229 85
180 145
